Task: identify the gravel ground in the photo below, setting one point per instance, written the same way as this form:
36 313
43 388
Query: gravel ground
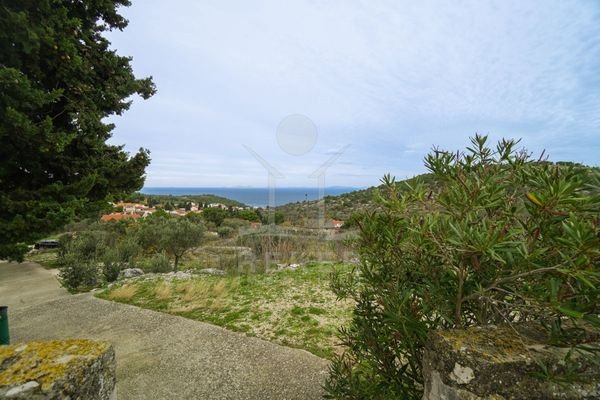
161 356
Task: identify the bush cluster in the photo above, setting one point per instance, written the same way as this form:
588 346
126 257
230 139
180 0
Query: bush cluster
99 252
496 238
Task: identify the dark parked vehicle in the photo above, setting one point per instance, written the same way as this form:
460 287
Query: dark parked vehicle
47 244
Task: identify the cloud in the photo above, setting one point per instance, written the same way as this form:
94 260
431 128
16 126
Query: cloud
389 78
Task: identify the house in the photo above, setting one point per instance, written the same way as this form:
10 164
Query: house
218 205
135 208
145 211
118 217
337 224
180 212
130 208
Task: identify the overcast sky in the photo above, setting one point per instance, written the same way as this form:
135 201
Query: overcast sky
387 79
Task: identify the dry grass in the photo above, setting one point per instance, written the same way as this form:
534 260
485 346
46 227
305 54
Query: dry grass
221 286
193 291
123 293
205 293
162 291
294 308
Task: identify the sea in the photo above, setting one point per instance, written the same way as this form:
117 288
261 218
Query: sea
254 197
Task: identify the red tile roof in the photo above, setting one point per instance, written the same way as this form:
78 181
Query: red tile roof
118 216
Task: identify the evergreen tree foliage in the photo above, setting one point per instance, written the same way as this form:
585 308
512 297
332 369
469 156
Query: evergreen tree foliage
59 80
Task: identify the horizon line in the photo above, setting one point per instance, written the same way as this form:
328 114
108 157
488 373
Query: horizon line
251 187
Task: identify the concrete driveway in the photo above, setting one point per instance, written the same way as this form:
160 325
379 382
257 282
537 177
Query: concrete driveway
159 356
27 284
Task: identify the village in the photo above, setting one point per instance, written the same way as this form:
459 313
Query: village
124 210
135 210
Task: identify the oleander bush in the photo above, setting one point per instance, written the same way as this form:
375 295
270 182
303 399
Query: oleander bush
496 237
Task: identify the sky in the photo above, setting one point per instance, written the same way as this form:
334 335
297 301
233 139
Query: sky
352 90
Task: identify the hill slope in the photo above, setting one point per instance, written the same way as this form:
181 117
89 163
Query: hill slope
340 207
343 206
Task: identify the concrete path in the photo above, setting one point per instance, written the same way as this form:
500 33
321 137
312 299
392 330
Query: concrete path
27 284
159 356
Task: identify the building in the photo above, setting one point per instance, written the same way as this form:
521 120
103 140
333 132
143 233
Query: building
119 216
337 224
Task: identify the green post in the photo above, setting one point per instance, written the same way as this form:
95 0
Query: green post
4 337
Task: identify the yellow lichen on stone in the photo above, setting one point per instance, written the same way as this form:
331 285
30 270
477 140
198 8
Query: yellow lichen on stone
47 361
499 345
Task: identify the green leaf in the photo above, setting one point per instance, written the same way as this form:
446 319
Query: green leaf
570 312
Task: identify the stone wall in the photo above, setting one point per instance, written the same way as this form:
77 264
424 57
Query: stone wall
58 369
497 363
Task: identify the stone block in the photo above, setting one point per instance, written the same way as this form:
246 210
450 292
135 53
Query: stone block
58 369
496 363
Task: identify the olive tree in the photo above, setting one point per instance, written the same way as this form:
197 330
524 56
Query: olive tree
175 236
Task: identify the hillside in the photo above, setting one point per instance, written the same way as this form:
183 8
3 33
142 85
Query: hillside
177 199
343 206
340 207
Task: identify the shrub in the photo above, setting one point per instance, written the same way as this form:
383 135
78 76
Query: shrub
160 263
248 215
79 257
127 251
78 274
82 252
112 264
496 238
89 245
214 215
235 223
225 231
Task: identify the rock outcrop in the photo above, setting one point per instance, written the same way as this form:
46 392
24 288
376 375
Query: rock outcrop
130 273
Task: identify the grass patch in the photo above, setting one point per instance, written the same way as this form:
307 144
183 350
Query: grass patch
162 291
293 308
316 310
123 293
297 310
46 258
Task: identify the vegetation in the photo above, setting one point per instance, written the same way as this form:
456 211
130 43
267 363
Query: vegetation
171 236
95 254
342 207
162 242
46 258
203 199
59 80
499 239
488 236
291 307
296 245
